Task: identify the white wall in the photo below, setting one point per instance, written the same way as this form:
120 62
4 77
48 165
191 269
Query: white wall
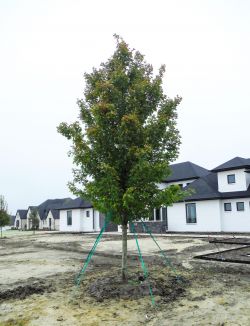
87 224
18 219
28 220
75 227
207 214
247 179
96 220
235 221
240 181
80 221
57 224
54 222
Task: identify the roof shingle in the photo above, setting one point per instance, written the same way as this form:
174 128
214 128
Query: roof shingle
185 171
234 163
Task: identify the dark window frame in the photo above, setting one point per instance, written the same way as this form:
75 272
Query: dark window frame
237 206
225 207
69 218
157 214
188 218
228 179
87 213
164 213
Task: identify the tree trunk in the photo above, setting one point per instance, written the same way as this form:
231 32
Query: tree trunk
124 252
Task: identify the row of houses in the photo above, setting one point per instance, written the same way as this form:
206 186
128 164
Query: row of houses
66 215
220 202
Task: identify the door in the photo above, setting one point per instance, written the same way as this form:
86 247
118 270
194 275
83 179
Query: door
50 224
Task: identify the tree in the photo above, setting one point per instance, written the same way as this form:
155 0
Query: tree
4 216
34 219
124 140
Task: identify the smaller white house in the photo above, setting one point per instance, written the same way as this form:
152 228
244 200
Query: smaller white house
21 219
79 216
51 220
29 212
49 213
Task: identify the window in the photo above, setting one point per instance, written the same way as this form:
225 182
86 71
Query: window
231 178
191 213
157 214
164 213
69 217
240 206
87 214
227 207
188 183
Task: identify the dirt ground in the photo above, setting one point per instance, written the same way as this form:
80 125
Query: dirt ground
37 274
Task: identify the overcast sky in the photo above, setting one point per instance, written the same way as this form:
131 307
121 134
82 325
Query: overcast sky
47 45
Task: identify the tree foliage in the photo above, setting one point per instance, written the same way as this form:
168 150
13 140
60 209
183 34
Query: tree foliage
125 138
4 216
33 217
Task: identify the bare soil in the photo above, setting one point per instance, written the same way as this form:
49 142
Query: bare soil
238 255
37 283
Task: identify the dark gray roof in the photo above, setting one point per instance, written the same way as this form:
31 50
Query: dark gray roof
50 204
22 213
54 212
185 171
206 188
77 203
32 208
235 163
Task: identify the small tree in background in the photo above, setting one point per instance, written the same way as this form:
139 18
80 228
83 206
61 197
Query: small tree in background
34 219
4 216
125 140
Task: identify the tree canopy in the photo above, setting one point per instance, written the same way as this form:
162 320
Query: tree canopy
34 219
125 138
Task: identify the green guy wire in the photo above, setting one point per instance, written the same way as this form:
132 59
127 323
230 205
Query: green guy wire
90 254
144 268
166 259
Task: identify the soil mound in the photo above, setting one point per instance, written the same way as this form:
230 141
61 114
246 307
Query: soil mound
23 291
168 289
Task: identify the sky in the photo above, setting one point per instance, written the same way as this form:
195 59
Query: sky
47 45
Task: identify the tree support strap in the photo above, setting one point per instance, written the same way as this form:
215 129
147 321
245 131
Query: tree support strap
165 258
91 253
144 267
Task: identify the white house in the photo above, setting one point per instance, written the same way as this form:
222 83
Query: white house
49 213
78 215
51 220
21 219
220 201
